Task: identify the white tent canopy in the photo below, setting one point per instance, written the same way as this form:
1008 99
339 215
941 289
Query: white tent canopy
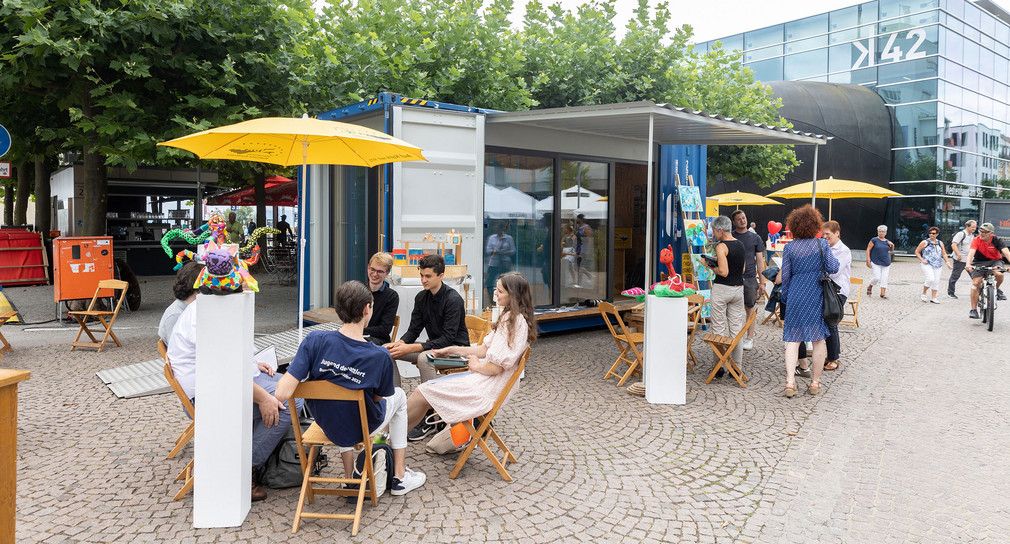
575 201
508 203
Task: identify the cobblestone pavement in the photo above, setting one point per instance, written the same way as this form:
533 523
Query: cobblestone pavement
902 445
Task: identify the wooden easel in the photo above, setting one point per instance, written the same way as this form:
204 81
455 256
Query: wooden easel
697 216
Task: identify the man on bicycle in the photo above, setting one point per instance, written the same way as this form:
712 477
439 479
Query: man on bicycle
990 249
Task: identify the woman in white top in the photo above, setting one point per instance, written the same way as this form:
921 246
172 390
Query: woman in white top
465 395
832 232
932 256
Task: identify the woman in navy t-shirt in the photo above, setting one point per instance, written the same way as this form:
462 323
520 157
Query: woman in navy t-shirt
878 259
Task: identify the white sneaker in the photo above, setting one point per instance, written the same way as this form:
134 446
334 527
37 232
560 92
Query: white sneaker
411 480
923 298
748 343
934 301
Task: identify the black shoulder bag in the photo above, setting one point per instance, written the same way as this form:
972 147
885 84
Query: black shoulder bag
833 309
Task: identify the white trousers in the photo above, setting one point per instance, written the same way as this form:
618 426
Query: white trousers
396 418
932 276
880 274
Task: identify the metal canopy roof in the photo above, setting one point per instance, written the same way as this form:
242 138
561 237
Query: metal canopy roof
671 125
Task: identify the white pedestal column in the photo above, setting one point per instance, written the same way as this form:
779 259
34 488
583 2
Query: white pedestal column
665 373
223 436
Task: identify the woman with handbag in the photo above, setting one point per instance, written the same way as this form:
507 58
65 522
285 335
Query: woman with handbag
805 261
932 257
466 395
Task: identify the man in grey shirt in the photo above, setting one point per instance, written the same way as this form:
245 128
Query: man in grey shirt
184 294
959 247
754 265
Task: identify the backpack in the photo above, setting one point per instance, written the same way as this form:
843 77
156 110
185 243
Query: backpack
283 469
382 467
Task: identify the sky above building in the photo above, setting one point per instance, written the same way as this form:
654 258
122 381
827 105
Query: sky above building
719 18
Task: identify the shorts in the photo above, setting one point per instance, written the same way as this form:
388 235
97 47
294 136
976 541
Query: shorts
976 273
750 292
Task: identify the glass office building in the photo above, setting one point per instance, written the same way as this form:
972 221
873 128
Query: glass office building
942 68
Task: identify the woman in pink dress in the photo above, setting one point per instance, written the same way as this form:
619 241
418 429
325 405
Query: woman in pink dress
466 395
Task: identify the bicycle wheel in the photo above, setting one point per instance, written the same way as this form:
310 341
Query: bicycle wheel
990 305
982 304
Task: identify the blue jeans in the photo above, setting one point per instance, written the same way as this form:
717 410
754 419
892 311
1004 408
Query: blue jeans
265 440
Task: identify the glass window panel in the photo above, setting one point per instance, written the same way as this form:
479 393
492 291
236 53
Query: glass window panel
864 76
915 164
810 26
1002 32
909 92
907 71
910 21
986 86
763 53
972 15
951 71
733 42
842 57
987 61
970 79
953 45
868 12
857 33
584 192
915 123
803 65
971 53
970 100
907 44
767 70
765 36
808 43
955 8
953 94
516 188
844 18
988 24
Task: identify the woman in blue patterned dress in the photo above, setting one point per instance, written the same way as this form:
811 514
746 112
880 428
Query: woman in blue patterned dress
802 262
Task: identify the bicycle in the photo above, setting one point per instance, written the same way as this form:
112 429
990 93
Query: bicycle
987 297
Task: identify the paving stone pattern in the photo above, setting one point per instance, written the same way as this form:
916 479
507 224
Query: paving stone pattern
904 444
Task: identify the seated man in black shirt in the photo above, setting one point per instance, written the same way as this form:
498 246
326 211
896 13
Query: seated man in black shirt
439 310
384 299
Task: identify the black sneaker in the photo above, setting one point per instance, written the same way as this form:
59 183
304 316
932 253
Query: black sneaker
1000 295
720 373
951 295
431 423
802 372
973 314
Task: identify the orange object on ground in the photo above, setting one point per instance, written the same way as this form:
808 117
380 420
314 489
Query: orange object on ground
81 262
460 435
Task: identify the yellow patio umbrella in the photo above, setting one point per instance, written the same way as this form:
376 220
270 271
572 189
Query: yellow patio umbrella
290 141
743 199
834 188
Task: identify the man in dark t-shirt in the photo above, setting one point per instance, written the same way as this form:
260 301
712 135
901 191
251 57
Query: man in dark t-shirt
986 250
754 265
346 359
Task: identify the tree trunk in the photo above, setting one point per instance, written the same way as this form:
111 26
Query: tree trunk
259 180
21 195
9 201
43 196
96 186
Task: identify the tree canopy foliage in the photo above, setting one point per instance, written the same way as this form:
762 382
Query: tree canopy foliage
108 79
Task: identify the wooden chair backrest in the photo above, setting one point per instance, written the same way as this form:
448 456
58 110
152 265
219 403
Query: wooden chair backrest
509 385
857 283
116 285
477 328
176 386
695 303
739 336
324 390
608 309
396 327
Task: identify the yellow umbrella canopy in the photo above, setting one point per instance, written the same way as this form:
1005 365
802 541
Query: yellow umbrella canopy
292 141
289 141
743 199
834 188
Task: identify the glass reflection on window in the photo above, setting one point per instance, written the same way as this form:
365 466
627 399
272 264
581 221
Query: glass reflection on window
584 242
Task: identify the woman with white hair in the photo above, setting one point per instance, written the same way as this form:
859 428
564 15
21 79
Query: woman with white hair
878 259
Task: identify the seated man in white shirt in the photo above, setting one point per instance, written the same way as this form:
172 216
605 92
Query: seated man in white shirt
184 295
271 418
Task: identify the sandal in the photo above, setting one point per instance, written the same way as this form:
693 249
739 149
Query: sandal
869 290
815 387
883 297
790 389
832 365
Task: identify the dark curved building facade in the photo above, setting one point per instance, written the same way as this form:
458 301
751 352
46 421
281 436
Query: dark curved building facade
860 128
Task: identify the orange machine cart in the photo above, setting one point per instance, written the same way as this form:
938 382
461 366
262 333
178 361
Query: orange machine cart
81 262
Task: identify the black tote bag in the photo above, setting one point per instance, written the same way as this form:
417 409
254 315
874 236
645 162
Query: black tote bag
833 309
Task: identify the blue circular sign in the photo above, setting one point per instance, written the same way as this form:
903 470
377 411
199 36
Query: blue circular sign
5 141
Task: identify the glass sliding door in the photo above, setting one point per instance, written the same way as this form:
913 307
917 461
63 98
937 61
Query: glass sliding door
584 242
518 222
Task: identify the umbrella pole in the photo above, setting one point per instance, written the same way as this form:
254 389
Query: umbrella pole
301 239
813 199
830 202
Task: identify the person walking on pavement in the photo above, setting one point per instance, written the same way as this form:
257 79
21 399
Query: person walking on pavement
832 232
932 256
803 262
959 246
754 264
878 259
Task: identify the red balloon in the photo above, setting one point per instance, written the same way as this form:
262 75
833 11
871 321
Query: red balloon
819 234
774 227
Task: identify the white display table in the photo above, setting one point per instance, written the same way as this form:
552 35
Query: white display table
665 373
223 436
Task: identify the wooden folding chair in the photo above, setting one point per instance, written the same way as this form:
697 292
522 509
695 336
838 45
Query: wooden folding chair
477 328
315 439
853 311
694 305
723 347
483 431
4 317
772 316
396 327
82 317
626 341
187 472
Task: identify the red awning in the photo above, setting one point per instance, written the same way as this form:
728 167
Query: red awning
280 191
